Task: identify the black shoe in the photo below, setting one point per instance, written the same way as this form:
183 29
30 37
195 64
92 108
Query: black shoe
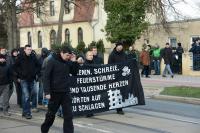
40 103
27 116
164 76
1 109
148 77
120 112
172 76
90 115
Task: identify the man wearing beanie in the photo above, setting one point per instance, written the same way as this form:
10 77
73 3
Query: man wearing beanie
116 56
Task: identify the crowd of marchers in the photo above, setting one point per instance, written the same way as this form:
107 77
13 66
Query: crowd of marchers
41 79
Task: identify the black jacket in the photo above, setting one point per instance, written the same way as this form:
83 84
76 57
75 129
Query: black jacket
5 74
116 57
195 49
179 51
88 62
97 59
57 73
166 54
27 67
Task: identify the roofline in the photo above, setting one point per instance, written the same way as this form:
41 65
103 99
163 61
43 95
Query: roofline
179 21
54 23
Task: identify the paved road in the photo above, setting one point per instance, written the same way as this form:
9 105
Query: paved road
155 117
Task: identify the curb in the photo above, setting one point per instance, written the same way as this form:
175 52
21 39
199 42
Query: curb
195 101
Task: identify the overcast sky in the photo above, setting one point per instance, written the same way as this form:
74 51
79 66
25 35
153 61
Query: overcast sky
188 9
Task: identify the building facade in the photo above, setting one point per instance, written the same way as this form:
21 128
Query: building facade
82 21
178 31
185 32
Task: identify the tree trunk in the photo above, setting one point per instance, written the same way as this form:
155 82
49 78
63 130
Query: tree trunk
14 26
9 28
60 23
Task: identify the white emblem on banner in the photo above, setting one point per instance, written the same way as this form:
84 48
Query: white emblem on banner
115 99
126 71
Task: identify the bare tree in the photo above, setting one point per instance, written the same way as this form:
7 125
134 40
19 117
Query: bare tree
10 9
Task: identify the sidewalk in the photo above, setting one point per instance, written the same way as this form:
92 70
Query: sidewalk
154 85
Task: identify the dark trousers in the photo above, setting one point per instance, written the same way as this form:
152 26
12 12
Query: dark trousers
19 93
4 92
145 71
57 99
119 109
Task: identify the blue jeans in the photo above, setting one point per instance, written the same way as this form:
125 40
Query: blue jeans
167 68
157 67
29 93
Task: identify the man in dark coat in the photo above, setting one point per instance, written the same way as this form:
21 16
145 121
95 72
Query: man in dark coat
179 52
27 68
44 55
118 55
56 88
5 80
4 52
14 57
167 56
196 54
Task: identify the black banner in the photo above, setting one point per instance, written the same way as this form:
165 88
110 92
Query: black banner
99 88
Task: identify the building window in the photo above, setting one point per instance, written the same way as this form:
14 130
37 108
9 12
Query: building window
29 38
194 38
67 36
52 37
52 8
67 8
173 42
39 39
80 35
38 11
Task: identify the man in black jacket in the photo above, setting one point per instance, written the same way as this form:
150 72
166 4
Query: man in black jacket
167 56
27 68
56 88
5 80
118 55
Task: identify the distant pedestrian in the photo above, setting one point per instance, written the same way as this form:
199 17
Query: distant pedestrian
196 54
180 52
132 53
167 56
145 60
156 59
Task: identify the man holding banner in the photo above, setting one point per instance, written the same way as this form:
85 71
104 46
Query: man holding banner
118 55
